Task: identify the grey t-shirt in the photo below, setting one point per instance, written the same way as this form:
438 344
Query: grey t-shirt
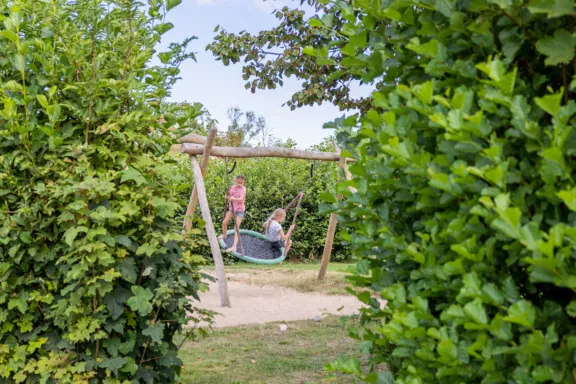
274 229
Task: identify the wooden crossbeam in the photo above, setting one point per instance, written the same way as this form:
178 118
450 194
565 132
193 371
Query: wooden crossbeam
245 152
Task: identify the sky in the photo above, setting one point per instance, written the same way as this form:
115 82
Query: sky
219 87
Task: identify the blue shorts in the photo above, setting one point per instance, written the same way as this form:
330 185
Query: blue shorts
239 214
277 244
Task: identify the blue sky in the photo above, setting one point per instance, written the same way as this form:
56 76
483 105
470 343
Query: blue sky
219 87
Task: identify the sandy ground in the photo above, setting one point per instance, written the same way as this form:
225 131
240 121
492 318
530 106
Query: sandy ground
252 304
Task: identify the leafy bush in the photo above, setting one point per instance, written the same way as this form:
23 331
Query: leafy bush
271 183
465 213
95 284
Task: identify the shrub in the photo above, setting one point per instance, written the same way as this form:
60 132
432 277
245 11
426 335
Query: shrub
95 284
465 213
271 183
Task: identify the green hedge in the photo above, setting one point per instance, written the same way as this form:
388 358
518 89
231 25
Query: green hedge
272 183
95 286
465 216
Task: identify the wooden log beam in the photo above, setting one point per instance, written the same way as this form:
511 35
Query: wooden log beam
212 239
203 165
329 243
244 152
194 138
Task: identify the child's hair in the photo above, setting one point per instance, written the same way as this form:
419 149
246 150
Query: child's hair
278 212
240 177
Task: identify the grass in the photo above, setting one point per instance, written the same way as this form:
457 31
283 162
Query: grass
300 277
334 283
314 266
263 354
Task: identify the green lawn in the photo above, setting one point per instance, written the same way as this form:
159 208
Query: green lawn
262 354
315 266
298 276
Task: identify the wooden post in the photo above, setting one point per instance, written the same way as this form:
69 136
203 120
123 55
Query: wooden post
212 239
331 230
203 165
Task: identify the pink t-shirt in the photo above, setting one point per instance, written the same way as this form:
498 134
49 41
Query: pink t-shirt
238 192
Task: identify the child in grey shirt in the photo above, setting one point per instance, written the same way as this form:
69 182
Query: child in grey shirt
274 232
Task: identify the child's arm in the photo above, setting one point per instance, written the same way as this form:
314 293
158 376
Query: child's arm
285 236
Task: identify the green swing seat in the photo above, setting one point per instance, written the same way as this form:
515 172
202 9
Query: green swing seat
257 248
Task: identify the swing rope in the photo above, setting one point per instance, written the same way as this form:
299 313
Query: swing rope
231 204
299 197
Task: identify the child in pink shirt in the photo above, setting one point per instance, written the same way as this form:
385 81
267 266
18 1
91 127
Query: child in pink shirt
236 196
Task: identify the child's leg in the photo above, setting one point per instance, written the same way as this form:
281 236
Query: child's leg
238 221
287 247
225 225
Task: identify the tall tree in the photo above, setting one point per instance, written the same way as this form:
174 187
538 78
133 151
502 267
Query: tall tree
246 126
271 56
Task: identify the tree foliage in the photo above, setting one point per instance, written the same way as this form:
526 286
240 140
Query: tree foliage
464 217
244 128
271 56
94 282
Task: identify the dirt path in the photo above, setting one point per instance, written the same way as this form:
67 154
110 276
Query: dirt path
253 304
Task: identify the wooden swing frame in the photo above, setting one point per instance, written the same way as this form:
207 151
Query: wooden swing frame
194 145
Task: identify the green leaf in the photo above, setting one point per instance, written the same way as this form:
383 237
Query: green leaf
129 208
550 103
314 22
10 35
494 295
543 373
310 51
26 237
445 7
72 232
43 101
510 290
447 350
13 86
571 309
369 22
430 49
131 367
141 300
558 49
146 249
20 302
328 20
475 310
523 313
128 269
425 92
500 328
162 28
504 4
115 300
172 3
4 267
113 364
132 174
124 240
552 8
325 61
155 332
